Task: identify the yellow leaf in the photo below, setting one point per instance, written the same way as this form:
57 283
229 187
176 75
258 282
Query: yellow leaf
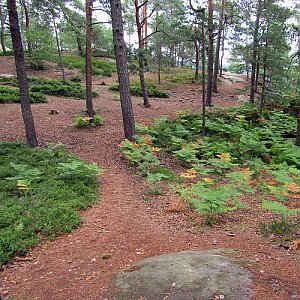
209 180
224 156
155 149
200 141
190 173
292 187
146 140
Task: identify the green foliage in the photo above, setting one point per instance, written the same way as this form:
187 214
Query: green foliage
160 174
154 190
40 85
210 200
40 191
282 227
99 67
78 169
7 53
136 90
279 208
9 95
141 153
240 131
82 122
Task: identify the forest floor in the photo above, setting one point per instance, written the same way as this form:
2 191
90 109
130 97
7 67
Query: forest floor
127 225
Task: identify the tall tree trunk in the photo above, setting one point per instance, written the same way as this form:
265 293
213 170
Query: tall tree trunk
88 68
145 25
210 59
263 93
196 45
203 129
21 73
159 60
58 49
141 55
255 50
79 44
222 51
3 16
257 73
27 24
298 78
124 84
298 130
218 46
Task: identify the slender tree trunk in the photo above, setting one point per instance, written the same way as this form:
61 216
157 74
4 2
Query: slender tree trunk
88 70
59 49
196 45
210 61
298 78
256 82
124 84
3 16
255 51
21 73
145 26
218 46
298 130
222 51
27 25
159 60
264 83
141 56
203 130
79 44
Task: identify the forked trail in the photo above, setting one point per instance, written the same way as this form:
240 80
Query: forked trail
124 227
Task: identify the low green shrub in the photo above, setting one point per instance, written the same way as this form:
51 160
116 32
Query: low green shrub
9 95
41 191
81 121
282 227
50 86
99 67
7 53
136 90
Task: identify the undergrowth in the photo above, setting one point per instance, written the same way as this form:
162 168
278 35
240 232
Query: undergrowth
136 90
41 191
241 146
99 67
50 86
10 95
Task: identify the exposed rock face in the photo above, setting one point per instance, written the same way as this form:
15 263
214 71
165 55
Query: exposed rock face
187 275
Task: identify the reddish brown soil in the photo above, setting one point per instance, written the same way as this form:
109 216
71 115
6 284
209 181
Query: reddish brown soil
128 225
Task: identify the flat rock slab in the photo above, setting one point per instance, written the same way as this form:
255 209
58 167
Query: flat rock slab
187 275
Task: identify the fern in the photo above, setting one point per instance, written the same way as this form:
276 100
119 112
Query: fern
279 208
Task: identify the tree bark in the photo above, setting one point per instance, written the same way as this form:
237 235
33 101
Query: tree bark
210 60
159 46
264 87
218 46
2 18
298 130
124 84
203 76
141 56
21 73
59 49
88 68
79 44
196 44
27 24
255 51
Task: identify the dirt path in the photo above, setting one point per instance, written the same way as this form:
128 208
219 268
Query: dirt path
124 227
